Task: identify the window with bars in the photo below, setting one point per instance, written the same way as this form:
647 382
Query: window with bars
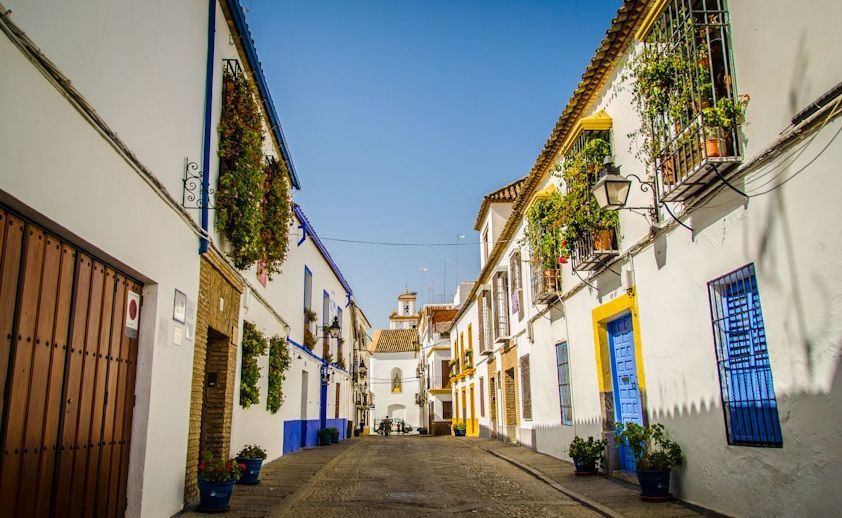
501 304
563 367
526 387
696 120
486 338
745 374
517 285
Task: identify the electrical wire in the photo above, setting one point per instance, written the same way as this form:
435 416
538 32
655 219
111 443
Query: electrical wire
386 243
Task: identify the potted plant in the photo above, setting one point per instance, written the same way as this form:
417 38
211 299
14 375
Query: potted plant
334 435
655 455
251 457
459 429
586 455
309 339
422 430
217 477
325 437
725 115
543 234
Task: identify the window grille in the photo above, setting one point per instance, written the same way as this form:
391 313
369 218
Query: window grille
517 286
486 323
482 397
526 387
745 374
693 38
584 137
501 305
563 367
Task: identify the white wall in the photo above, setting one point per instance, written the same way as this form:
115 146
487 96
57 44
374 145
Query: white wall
380 381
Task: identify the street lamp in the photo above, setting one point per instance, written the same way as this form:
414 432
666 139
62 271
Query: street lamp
335 330
324 371
611 190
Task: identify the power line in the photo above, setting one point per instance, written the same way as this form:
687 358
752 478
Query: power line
389 243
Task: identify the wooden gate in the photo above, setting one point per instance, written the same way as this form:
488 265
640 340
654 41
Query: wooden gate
67 375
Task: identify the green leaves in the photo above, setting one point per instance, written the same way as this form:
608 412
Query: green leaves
651 448
279 361
253 204
587 452
254 345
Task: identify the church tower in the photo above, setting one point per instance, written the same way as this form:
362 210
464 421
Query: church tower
406 315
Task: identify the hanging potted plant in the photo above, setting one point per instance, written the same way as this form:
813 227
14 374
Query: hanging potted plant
655 455
217 477
543 235
724 116
586 455
251 457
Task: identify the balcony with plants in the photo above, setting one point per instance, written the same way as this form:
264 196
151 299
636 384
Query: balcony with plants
589 234
683 90
543 237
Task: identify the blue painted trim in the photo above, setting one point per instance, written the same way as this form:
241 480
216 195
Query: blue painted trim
308 229
303 230
305 349
206 137
254 63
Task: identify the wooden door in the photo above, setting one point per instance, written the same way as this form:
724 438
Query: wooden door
67 372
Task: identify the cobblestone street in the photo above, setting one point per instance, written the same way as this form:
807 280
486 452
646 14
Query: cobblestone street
425 476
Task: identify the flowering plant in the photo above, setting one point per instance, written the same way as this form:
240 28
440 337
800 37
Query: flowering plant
252 451
217 469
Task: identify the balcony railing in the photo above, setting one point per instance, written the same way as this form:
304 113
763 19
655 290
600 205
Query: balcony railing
546 282
694 157
439 382
594 250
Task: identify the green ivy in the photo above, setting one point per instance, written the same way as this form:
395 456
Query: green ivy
277 211
254 345
279 361
582 214
241 180
543 229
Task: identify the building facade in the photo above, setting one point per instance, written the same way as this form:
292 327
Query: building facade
436 392
690 306
109 133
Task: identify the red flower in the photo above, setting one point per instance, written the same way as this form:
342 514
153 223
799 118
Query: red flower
201 466
562 259
228 467
243 467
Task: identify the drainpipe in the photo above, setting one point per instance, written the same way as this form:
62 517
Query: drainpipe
203 241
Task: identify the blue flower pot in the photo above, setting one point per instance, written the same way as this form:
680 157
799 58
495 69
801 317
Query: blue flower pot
459 433
215 496
251 475
654 485
585 468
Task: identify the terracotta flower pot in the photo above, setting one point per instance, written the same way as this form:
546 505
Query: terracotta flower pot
602 240
714 143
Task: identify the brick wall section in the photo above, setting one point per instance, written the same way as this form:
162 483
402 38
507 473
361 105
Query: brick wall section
510 388
215 281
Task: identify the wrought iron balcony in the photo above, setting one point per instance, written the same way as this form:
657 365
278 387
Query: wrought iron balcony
694 157
595 250
546 282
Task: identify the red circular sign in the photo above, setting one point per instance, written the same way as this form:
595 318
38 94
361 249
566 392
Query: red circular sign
133 309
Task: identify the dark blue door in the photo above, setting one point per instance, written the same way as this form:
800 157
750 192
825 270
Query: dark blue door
627 407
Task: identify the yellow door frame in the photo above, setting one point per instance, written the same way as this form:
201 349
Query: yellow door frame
601 316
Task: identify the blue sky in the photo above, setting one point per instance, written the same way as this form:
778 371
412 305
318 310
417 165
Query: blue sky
401 115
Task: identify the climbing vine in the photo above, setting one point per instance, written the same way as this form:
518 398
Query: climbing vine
254 345
279 361
582 214
241 177
276 215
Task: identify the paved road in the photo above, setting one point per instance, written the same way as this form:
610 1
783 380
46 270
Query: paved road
423 476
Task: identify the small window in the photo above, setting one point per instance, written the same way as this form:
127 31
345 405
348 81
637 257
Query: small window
397 382
308 288
745 374
563 367
526 387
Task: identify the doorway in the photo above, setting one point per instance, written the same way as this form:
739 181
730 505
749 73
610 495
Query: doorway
627 401
211 436
305 384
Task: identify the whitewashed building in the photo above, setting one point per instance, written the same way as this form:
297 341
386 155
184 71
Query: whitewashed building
108 133
436 392
713 306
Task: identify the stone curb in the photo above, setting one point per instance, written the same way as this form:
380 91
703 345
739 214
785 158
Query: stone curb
582 499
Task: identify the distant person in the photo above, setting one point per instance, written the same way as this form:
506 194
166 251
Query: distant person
387 426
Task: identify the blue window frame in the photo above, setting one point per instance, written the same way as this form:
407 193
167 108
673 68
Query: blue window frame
308 288
563 367
745 374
